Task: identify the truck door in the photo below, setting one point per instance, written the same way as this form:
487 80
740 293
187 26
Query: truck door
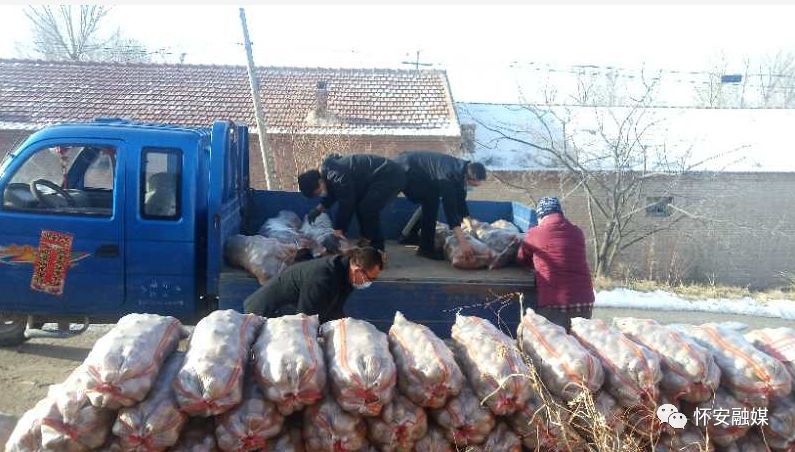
160 232
61 247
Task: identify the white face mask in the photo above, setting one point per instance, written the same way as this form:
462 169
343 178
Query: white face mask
363 285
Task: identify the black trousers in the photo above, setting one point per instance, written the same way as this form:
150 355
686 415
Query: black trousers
562 316
429 202
368 210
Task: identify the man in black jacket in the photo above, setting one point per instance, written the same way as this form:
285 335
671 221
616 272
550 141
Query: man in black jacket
430 176
360 183
320 286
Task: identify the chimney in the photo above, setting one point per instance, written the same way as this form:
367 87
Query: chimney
321 99
468 138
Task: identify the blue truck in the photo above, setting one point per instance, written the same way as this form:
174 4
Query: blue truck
110 217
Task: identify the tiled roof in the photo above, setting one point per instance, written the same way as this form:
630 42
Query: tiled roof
362 101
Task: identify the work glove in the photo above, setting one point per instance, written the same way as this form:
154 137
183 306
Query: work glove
312 215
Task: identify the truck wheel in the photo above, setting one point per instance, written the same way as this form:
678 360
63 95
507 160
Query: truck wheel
12 329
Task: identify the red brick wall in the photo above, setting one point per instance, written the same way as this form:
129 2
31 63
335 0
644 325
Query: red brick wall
743 233
294 154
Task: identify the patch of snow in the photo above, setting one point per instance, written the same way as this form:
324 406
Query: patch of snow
666 301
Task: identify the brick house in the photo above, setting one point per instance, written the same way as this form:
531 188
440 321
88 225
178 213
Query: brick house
742 230
309 111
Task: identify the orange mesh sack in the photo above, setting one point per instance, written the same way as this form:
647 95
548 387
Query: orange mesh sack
464 420
778 343
26 436
198 436
361 369
540 430
211 379
752 376
501 439
155 423
289 441
689 371
434 441
427 372
72 423
481 257
125 362
691 439
263 257
492 364
566 367
632 371
721 433
780 428
250 425
288 362
400 425
327 427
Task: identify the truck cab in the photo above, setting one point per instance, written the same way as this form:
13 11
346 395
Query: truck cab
112 217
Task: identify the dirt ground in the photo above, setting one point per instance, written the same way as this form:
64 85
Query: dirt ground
27 370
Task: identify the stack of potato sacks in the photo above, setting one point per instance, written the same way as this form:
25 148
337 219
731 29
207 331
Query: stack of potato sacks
290 384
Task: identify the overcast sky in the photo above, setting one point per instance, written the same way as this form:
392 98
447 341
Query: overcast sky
484 48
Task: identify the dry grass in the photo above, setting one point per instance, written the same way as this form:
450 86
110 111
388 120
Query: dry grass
700 290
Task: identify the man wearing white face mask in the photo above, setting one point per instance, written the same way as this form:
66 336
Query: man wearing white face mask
320 286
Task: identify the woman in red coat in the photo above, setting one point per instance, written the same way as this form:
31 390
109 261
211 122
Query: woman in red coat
556 249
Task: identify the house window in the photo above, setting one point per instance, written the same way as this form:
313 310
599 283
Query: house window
659 206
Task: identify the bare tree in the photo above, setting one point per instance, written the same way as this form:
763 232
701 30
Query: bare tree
75 33
776 80
615 158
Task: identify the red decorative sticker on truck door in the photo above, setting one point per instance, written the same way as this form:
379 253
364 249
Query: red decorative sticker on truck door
52 262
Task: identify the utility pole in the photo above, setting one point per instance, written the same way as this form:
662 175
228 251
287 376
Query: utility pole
259 115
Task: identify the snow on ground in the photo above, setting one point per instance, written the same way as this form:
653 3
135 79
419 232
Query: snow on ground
666 301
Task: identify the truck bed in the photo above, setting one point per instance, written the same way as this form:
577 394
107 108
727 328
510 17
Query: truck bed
404 266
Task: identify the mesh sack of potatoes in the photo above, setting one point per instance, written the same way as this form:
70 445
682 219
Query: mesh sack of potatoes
464 420
492 363
545 427
124 363
322 238
288 362
780 428
360 367
290 440
263 257
778 343
440 236
721 430
689 371
501 439
752 442
427 371
327 427
752 376
400 425
610 411
26 436
503 238
156 422
632 372
284 227
481 257
71 422
564 365
211 379
251 424
434 441
197 436
690 439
